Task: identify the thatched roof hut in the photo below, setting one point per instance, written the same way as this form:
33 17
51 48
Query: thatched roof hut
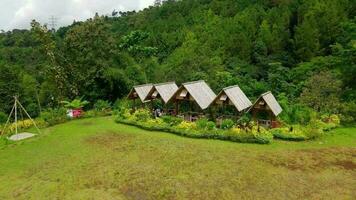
267 102
233 96
140 91
163 91
197 91
268 105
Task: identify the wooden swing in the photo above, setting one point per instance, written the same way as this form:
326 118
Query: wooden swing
18 136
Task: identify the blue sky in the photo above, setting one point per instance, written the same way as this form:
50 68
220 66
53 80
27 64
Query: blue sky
19 13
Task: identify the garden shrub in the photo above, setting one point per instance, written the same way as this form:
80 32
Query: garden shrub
244 119
210 125
102 106
122 104
202 123
205 124
90 113
142 115
25 124
172 121
293 134
54 116
3 118
313 132
33 110
227 124
154 123
187 125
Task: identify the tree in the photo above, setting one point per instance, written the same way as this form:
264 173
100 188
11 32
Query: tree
322 93
9 87
306 40
88 50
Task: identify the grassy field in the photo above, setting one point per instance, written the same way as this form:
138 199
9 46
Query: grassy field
99 159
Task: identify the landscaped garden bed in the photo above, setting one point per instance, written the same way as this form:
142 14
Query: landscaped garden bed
204 128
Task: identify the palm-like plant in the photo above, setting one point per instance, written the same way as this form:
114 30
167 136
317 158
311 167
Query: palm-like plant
75 104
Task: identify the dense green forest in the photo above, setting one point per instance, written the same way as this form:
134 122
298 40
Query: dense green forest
304 51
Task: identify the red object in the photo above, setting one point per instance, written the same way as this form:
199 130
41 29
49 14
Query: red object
275 124
77 112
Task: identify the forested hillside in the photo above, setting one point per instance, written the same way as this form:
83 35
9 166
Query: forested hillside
304 51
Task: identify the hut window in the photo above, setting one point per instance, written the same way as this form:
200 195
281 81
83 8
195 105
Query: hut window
183 93
261 103
223 97
135 94
155 93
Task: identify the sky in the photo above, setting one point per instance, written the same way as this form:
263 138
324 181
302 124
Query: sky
17 14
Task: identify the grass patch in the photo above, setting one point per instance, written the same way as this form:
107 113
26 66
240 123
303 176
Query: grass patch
100 159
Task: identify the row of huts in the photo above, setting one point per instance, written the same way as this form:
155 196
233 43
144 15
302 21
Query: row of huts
191 101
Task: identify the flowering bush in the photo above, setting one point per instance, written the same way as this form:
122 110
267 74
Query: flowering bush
142 115
295 133
187 125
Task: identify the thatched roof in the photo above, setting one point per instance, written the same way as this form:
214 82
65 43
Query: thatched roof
233 95
198 91
164 90
271 102
140 91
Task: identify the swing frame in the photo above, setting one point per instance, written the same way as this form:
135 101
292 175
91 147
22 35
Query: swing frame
14 110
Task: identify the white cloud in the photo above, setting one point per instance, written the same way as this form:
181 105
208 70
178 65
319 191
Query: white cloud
19 13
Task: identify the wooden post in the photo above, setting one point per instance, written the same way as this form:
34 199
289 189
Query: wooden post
177 107
15 115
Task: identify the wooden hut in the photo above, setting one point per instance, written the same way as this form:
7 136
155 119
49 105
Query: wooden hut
163 92
198 94
265 110
234 97
140 92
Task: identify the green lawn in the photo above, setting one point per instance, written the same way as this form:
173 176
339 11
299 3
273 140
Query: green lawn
99 159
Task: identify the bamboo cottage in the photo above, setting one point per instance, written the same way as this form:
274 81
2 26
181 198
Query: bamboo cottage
265 110
199 96
234 97
140 92
163 92
192 99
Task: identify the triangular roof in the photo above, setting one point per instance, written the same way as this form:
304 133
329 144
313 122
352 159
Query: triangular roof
165 91
141 91
271 102
199 91
236 96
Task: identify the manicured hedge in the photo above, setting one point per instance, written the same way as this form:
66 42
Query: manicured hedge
207 134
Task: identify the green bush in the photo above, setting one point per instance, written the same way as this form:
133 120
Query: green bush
142 115
293 134
348 114
202 123
170 120
189 129
205 124
54 116
313 132
122 104
3 118
244 119
227 124
75 104
102 106
210 125
33 110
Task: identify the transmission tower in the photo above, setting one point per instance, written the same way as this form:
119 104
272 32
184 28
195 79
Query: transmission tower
52 22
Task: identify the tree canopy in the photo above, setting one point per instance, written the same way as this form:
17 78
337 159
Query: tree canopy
283 46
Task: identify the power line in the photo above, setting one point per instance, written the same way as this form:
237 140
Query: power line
52 22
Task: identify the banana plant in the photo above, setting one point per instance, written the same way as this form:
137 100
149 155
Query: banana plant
75 104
